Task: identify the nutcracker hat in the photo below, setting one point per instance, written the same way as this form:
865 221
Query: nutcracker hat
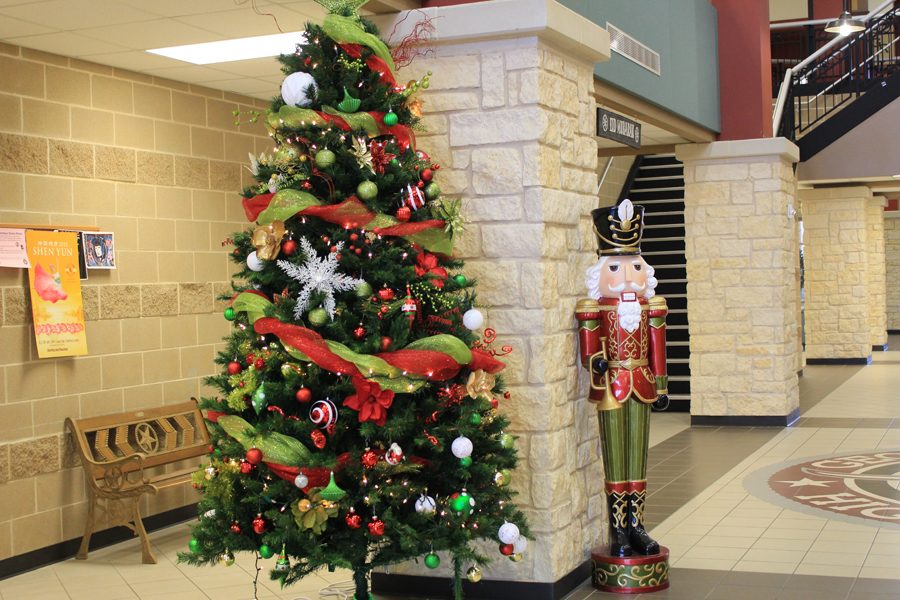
619 228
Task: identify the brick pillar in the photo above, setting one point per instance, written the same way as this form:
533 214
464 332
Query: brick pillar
876 263
892 269
510 118
740 241
836 259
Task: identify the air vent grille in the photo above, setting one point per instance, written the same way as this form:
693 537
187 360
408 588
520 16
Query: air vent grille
622 43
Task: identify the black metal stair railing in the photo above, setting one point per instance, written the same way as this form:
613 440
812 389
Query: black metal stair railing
826 85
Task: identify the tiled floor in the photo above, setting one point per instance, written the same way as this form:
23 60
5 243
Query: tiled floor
730 535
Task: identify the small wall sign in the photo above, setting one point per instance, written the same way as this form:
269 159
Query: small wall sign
618 128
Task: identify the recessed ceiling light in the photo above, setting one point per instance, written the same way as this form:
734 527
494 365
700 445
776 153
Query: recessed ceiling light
259 46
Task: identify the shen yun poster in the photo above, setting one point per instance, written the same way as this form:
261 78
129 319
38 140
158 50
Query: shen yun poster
56 293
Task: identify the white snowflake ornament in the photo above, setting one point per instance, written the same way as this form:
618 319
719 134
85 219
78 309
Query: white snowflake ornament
318 275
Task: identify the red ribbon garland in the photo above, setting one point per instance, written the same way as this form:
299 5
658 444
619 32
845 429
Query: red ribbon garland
308 342
432 364
484 361
255 205
373 62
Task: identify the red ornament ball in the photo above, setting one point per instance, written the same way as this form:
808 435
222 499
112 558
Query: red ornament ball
318 439
427 174
384 309
376 527
303 395
357 250
259 525
235 527
354 237
506 549
369 459
254 456
494 403
353 520
246 468
288 247
234 367
386 294
359 333
403 214
260 364
386 343
250 358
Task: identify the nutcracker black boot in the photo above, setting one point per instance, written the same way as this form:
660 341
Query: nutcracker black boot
640 540
617 498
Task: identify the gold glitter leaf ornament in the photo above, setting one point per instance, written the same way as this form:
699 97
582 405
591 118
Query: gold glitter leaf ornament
267 240
480 383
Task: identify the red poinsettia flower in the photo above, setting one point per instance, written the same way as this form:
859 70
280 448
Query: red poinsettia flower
427 264
370 401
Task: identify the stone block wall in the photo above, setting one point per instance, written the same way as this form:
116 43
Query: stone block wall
740 245
892 268
511 124
837 262
159 163
876 261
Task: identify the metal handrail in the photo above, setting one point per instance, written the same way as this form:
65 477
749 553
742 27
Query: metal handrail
785 87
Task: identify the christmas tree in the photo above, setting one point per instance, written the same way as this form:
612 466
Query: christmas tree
356 425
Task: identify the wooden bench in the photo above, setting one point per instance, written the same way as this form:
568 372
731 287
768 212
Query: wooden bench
118 450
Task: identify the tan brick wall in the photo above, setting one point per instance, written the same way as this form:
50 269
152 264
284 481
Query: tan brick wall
159 163
837 262
875 258
511 122
740 250
892 268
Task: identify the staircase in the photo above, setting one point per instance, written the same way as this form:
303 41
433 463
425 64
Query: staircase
856 76
656 182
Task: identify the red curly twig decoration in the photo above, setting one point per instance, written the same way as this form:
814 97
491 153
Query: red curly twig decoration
414 44
490 336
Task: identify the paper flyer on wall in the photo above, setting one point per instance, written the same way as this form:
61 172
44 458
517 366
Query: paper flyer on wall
56 293
12 249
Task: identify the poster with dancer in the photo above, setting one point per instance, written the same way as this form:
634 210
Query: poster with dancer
56 304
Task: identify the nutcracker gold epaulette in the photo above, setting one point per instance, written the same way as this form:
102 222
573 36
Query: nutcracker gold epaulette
587 305
657 302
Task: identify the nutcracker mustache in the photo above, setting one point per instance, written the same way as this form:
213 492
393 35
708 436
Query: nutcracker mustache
635 287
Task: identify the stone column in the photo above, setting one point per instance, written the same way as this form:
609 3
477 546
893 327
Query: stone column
836 257
877 277
740 240
510 118
892 270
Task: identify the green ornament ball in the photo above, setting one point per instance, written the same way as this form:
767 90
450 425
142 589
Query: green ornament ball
317 316
462 503
364 290
325 158
505 477
217 453
475 419
391 119
266 552
432 191
367 190
460 279
259 399
507 440
432 561
194 545
229 314
466 461
394 163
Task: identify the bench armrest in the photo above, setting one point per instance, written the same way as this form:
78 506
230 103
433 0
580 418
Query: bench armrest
114 477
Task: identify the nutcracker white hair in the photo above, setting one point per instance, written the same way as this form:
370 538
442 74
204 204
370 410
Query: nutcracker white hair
592 277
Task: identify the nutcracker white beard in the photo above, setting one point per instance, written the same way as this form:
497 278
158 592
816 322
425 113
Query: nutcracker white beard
629 315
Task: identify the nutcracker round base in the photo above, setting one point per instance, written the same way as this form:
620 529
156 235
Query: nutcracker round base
630 574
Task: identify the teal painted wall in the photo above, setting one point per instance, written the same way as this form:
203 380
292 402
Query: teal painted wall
683 32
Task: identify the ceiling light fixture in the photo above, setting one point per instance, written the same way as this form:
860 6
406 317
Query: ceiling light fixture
260 46
845 24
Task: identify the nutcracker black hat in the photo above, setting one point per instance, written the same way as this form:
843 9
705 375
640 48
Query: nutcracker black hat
619 228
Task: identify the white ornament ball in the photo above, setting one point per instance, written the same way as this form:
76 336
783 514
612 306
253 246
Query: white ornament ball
520 545
293 89
253 262
394 455
508 533
461 447
210 513
425 505
301 481
473 319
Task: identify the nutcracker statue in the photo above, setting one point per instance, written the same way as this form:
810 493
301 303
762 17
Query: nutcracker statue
622 336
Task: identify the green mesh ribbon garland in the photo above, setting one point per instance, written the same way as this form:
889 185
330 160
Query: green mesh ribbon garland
356 121
285 204
346 30
252 304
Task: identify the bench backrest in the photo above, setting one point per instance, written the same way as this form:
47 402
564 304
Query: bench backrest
163 435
